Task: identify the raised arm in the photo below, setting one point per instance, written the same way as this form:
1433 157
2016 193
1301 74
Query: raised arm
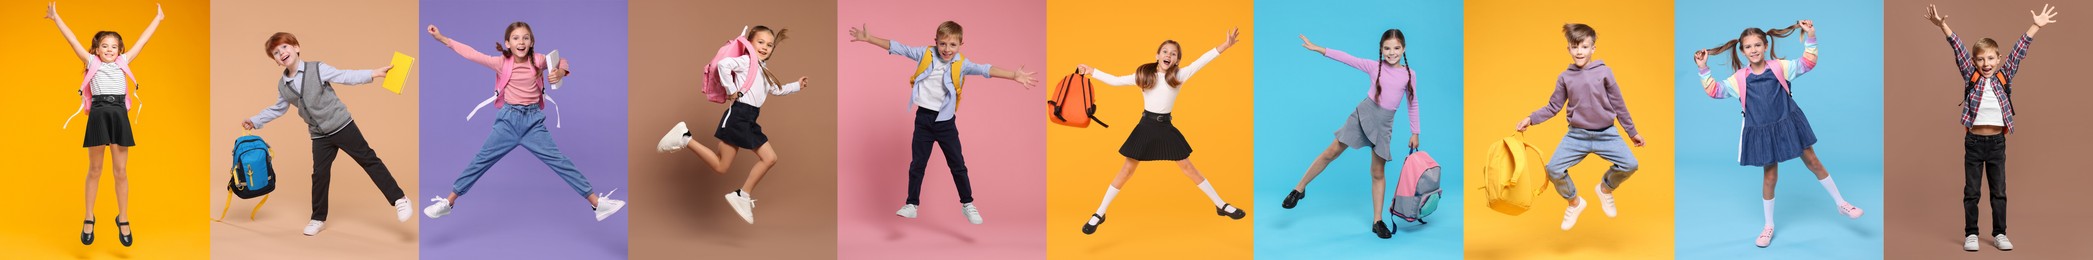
139 46
51 12
1185 74
1107 78
1963 64
1022 77
1716 89
2020 49
465 51
1797 67
864 34
348 77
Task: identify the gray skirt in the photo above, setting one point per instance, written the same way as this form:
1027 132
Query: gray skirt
1369 126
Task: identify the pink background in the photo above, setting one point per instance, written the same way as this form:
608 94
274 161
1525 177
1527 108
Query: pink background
1001 125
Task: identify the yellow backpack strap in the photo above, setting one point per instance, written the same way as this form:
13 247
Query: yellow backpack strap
958 79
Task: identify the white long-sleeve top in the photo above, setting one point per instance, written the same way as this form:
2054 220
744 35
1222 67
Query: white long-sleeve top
733 70
1161 97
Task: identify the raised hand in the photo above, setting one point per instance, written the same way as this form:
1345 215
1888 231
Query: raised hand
1310 45
1809 28
157 13
1025 78
1933 15
1700 58
51 11
860 33
2046 17
1232 33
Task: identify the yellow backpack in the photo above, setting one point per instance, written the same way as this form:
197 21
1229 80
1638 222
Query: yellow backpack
958 80
1509 180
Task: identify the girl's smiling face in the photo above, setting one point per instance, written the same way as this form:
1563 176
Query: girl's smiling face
519 41
765 41
1166 56
1754 49
108 48
1391 51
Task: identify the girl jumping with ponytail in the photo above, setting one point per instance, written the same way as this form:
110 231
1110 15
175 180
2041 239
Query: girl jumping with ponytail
1775 129
1371 122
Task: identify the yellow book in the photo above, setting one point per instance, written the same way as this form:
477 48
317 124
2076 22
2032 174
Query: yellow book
396 78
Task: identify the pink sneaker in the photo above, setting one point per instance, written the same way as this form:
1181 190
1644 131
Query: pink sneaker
1850 211
1765 237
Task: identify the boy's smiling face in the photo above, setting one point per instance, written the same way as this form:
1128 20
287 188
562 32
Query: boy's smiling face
948 46
1581 51
285 54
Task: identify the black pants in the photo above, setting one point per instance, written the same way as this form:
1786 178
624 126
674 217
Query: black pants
1984 158
349 139
946 135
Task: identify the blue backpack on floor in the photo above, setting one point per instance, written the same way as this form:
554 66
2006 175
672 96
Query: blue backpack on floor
253 174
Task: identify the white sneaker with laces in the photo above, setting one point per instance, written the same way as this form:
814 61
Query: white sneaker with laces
1969 243
438 207
674 140
313 227
606 206
404 208
743 205
1605 199
1569 216
2001 242
973 214
907 211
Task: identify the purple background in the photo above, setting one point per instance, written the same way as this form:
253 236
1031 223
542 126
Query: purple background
520 209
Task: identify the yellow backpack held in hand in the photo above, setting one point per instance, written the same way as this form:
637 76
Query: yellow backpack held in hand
1509 179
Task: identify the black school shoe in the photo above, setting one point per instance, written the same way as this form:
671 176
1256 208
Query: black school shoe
1292 198
122 236
1223 210
1381 230
87 237
1092 228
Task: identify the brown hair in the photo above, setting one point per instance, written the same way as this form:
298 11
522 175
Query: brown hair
97 42
1411 87
777 36
950 28
280 38
533 36
1737 45
1146 74
1576 32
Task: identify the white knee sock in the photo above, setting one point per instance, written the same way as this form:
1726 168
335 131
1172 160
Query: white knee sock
1210 195
1769 213
1833 188
1109 193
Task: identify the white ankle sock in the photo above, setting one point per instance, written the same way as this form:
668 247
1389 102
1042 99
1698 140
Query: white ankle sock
1210 195
1833 188
1109 193
1769 213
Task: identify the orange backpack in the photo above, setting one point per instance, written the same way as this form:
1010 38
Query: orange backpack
1070 108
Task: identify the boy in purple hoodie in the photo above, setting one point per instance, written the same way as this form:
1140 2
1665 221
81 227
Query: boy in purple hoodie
1591 96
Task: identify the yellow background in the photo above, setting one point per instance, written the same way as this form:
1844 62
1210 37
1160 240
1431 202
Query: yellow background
45 163
1159 214
1515 51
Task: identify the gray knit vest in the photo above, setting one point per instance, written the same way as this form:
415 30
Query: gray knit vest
323 113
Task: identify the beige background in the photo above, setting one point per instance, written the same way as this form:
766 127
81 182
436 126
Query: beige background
1923 160
347 35
678 212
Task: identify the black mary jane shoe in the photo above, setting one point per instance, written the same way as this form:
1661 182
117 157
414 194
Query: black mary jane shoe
1092 228
121 236
1381 230
1223 210
1292 198
87 237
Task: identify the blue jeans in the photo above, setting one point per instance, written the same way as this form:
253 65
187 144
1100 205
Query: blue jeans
522 125
1579 142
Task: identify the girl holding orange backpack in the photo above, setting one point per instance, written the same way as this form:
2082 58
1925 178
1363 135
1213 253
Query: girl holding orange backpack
1155 139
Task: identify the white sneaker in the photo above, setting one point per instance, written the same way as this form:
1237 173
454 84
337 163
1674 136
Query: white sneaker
973 214
1569 217
313 227
1969 243
674 140
606 206
907 211
404 208
438 207
1605 199
2001 242
742 205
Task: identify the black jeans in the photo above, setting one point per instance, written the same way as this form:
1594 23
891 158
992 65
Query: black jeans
946 135
350 140
1984 158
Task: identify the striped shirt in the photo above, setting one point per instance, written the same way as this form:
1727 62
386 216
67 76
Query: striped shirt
109 80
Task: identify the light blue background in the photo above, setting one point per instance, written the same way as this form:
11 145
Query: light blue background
1303 97
1719 211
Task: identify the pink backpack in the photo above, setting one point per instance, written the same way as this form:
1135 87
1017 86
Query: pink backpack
715 90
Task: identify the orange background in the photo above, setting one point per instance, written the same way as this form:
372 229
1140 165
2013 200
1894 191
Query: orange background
1515 51
1159 214
45 162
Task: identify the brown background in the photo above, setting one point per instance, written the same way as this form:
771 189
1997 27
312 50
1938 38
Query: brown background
679 213
358 35
1923 157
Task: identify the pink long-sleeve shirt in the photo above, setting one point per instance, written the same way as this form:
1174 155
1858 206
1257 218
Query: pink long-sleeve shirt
522 87
1395 83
